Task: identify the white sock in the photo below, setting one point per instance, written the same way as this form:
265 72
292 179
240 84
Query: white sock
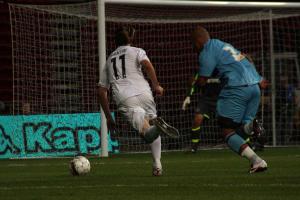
156 152
251 155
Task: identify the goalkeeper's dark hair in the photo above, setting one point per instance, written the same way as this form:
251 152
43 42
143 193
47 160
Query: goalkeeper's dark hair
124 36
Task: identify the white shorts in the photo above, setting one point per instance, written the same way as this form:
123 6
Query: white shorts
138 108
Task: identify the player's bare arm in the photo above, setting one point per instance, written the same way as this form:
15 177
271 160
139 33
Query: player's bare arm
105 106
147 65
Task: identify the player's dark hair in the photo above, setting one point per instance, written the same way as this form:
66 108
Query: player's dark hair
124 36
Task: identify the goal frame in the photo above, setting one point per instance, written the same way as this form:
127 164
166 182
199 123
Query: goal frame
102 43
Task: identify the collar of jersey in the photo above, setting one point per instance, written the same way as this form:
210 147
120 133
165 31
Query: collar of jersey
127 45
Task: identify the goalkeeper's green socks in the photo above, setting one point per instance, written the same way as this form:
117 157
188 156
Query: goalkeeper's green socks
195 136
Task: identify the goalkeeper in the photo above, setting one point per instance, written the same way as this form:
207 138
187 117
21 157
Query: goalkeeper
205 107
239 99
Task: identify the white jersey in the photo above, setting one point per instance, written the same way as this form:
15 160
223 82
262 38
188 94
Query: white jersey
123 72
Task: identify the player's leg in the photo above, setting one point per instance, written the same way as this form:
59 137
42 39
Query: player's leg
201 114
196 130
251 125
151 133
240 146
159 126
252 129
231 107
133 110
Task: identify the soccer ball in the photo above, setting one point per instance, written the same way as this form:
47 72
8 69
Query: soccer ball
80 165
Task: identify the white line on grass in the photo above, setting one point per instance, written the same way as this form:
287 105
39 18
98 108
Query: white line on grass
106 163
197 160
44 187
66 163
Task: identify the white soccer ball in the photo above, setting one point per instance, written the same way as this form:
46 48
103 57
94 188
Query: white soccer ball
80 165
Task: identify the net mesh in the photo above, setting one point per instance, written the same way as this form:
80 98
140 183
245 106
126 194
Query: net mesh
287 79
55 61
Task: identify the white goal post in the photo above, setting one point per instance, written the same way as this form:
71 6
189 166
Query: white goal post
102 60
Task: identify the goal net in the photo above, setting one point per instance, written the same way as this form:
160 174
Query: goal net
55 62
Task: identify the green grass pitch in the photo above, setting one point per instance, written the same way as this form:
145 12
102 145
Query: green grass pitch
207 175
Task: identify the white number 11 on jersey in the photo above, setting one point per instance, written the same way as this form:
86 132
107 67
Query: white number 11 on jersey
115 66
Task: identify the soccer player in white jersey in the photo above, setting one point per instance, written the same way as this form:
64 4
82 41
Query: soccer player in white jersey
132 93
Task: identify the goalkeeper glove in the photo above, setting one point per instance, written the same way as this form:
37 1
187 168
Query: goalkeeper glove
186 102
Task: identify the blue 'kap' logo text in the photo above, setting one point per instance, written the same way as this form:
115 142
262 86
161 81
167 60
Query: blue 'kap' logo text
51 135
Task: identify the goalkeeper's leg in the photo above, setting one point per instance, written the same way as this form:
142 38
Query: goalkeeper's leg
252 129
234 107
253 133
